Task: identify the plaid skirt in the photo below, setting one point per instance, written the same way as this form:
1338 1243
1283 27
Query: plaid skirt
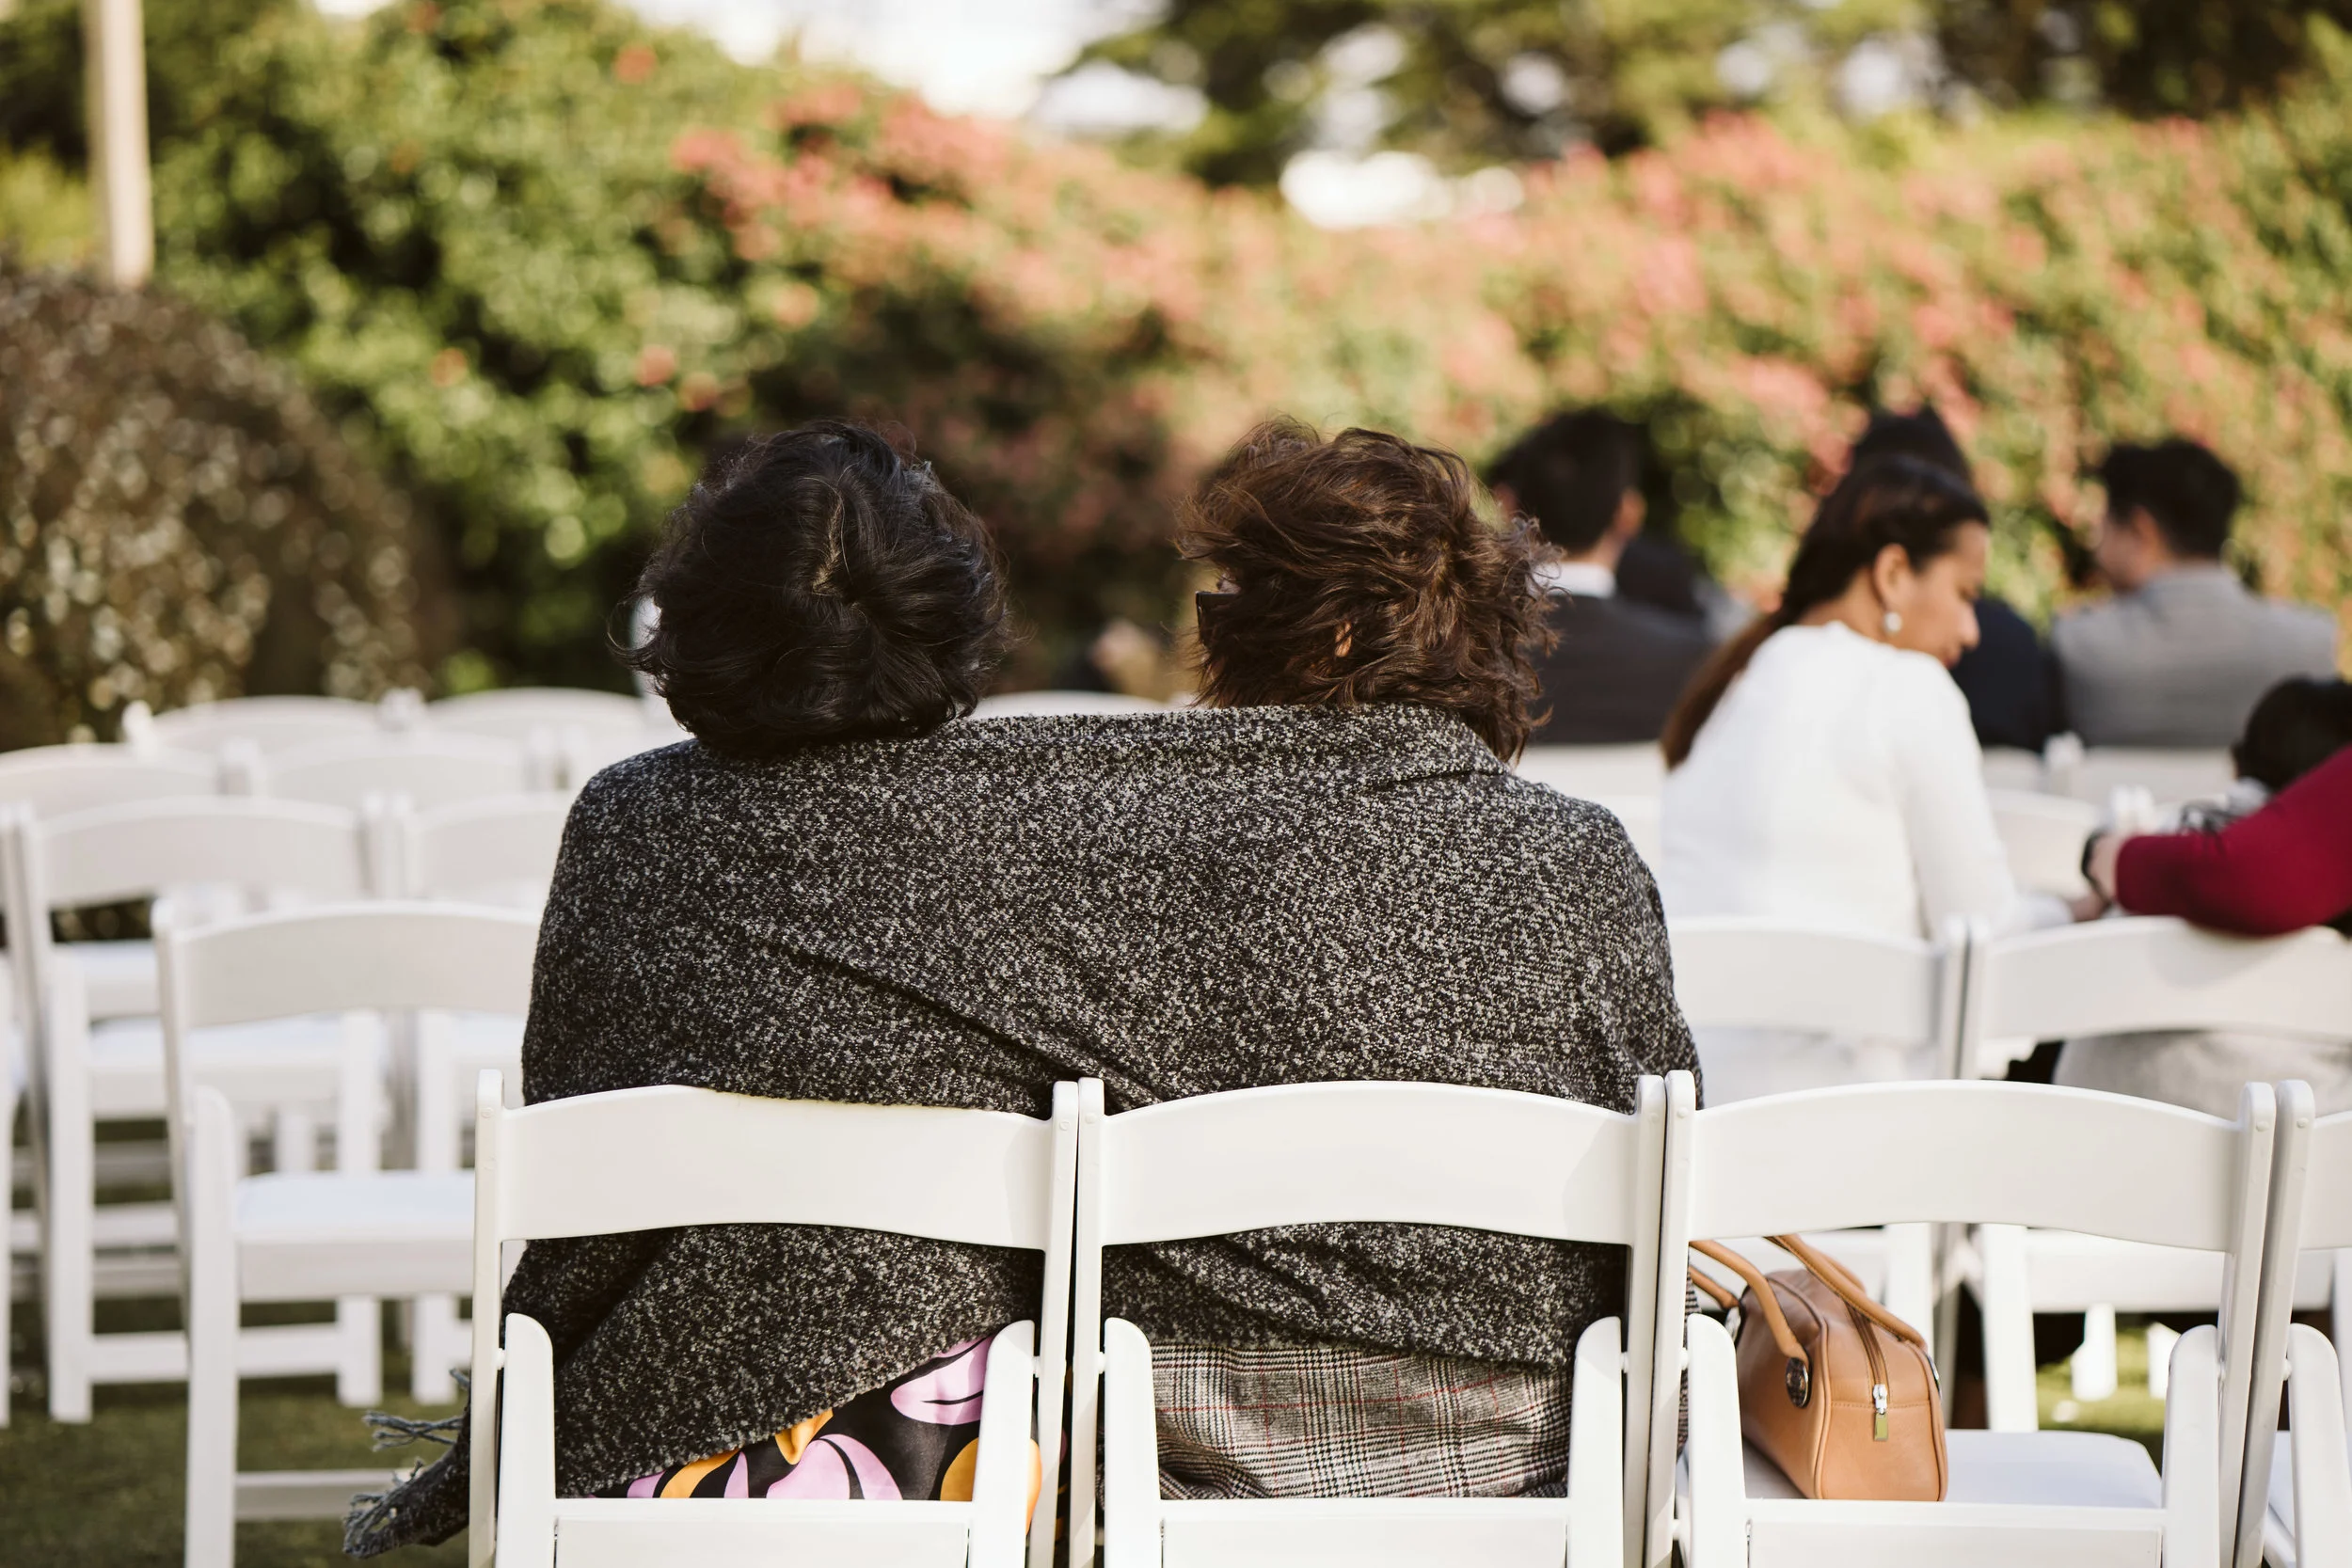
1332 1422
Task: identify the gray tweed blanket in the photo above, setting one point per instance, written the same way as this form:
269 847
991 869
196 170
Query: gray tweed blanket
1177 904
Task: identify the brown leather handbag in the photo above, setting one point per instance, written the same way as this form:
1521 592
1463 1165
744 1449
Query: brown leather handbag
1834 1389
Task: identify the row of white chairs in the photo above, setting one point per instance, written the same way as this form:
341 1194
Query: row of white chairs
306 1235
97 1050
1412 1153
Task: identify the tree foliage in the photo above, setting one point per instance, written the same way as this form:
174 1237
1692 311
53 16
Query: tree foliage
1481 81
180 522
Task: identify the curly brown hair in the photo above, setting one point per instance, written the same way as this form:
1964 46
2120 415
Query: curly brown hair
1361 569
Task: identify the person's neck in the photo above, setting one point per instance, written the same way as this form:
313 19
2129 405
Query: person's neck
2177 565
1858 611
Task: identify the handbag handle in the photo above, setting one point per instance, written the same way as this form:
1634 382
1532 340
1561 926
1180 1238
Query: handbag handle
1766 1297
1834 1275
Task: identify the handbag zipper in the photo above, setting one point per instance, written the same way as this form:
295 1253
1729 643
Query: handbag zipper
1878 1372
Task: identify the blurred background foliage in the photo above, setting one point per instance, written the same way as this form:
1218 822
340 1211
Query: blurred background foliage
535 256
1472 82
179 521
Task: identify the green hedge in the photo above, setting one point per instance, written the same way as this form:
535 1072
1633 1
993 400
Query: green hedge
549 253
179 521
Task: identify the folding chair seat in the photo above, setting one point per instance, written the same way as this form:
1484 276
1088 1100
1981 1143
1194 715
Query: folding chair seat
2303 1516
2118 977
308 1235
1749 973
301 1074
2015 1154
655 1158
1376 1152
2171 774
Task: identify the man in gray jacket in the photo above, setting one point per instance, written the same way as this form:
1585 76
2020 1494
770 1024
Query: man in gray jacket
2183 652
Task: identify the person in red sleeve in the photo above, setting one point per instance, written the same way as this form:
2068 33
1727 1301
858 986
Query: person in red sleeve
2281 868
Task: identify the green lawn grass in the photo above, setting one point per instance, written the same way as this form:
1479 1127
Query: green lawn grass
2131 1413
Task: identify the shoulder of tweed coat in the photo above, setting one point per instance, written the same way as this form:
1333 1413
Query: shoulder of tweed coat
1175 903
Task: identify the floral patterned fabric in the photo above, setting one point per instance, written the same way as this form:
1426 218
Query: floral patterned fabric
916 1437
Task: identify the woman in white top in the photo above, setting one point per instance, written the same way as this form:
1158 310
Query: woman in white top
1823 770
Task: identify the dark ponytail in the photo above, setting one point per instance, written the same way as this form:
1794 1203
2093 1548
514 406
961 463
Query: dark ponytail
1887 500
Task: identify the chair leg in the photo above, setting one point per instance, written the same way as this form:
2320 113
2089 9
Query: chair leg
2011 1403
437 1342
212 1315
2091 1369
359 1352
68 1247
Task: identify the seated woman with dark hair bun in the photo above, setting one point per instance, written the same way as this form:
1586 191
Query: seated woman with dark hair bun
1327 872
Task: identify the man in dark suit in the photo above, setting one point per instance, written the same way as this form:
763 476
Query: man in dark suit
1620 664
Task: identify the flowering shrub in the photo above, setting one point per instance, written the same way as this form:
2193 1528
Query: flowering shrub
178 522
547 254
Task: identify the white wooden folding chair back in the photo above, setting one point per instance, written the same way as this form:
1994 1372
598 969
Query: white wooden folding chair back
430 771
269 723
490 848
2171 775
1034 704
352 1234
515 712
2121 976
2298 1502
54 779
1751 972
1375 1152
2011 1154
2013 769
2114 977
1594 772
658 1158
2044 837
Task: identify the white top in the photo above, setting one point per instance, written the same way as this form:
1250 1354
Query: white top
1587 578
1838 783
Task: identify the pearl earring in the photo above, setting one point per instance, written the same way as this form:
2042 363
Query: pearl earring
1893 623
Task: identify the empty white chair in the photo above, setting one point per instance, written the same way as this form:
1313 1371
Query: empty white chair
269 724
2008 1153
1031 705
309 1235
1755 972
2010 767
514 712
2114 977
2308 1498
1592 772
1639 815
2044 835
1381 1152
431 770
2094 773
653 1158
101 1056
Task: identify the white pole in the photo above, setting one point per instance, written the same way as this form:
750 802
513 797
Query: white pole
114 47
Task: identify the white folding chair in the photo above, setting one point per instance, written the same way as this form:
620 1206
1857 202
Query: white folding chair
1590 772
2013 768
2116 977
515 713
500 849
298 1236
1640 817
1033 705
2297 1506
1740 972
430 770
1377 1152
269 724
2011 1154
100 1057
2094 773
654 1158
2043 837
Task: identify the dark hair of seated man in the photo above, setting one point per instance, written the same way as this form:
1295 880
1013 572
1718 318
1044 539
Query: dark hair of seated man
819 584
1362 568
2298 725
2188 493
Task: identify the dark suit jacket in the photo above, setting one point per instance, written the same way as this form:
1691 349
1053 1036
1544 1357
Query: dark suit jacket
2006 678
1618 670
